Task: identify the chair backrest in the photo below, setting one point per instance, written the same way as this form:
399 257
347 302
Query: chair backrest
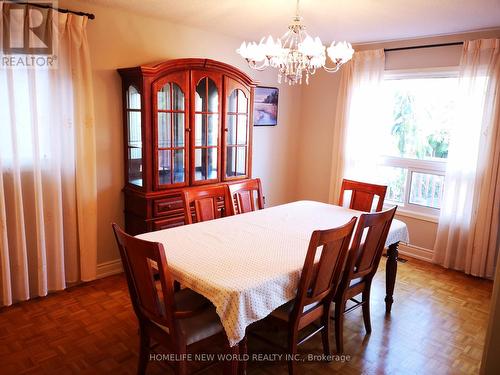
320 278
152 301
362 195
205 201
244 196
367 245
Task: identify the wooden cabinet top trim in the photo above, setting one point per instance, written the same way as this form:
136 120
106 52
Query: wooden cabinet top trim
169 66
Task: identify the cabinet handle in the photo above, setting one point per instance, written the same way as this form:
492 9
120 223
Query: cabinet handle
188 129
226 129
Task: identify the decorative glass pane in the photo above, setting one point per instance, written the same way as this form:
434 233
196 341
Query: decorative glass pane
242 102
201 96
426 189
133 98
178 129
134 129
200 128
164 102
213 130
135 166
232 101
178 166
178 98
164 167
241 162
212 163
164 130
200 164
213 96
242 129
231 129
231 161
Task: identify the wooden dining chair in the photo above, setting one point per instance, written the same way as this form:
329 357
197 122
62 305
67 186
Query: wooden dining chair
362 195
246 196
208 203
317 286
177 321
362 263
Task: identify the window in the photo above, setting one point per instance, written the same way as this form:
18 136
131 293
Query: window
420 109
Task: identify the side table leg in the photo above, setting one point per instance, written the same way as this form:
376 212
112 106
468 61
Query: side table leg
391 270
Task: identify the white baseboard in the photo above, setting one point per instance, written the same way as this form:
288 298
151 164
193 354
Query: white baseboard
416 252
109 268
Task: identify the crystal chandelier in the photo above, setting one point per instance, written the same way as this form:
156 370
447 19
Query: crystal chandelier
295 53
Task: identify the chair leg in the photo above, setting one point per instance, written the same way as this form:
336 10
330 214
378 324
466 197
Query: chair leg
177 286
242 367
325 333
143 352
181 368
231 365
292 351
339 325
366 309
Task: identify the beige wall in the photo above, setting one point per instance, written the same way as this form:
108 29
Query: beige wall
318 111
123 39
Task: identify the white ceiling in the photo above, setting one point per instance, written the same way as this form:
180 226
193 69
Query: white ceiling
352 20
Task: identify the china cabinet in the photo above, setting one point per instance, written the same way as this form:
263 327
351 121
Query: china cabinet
186 122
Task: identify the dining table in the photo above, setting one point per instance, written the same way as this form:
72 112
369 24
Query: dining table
248 265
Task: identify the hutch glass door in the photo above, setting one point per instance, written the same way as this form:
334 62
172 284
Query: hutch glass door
171 141
237 137
206 131
134 137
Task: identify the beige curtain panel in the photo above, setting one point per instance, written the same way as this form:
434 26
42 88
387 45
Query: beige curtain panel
48 224
354 143
468 233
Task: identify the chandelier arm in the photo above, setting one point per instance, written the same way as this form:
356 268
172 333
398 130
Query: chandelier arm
252 64
332 69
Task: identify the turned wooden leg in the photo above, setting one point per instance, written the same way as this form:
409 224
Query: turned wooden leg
391 270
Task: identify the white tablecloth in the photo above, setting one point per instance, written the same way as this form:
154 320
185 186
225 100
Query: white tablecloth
248 265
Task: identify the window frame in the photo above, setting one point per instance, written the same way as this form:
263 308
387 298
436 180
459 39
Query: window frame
435 167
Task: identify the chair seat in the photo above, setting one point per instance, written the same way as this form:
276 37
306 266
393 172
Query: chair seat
283 312
205 324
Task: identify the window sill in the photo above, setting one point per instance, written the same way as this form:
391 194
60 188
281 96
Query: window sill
416 215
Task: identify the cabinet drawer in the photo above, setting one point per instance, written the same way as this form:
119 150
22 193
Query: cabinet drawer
167 206
168 223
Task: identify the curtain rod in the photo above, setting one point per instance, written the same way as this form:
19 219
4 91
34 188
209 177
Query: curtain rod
424 46
61 10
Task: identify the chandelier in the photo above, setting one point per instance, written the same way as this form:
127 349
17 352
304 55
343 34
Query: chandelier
295 54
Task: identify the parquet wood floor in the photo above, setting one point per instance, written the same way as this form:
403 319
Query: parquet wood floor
437 326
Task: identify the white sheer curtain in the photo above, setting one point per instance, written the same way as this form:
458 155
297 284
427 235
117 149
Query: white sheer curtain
468 232
48 229
359 111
